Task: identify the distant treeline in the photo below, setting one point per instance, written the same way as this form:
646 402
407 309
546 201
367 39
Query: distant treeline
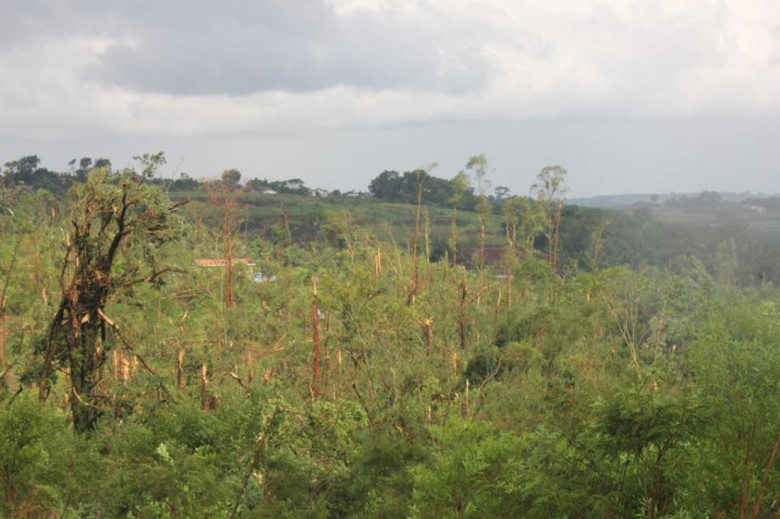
27 172
388 186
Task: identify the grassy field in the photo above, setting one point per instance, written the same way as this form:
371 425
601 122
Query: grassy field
307 215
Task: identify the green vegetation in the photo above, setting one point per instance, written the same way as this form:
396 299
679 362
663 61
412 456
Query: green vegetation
600 364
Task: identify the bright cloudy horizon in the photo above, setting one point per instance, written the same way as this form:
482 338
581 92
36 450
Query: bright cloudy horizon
630 96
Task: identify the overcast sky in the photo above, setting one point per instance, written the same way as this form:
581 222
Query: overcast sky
630 96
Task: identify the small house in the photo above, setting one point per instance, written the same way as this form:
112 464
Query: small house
260 277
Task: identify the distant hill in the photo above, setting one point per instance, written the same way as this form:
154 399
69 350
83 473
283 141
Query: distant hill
616 201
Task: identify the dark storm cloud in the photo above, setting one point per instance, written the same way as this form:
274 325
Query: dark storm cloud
240 47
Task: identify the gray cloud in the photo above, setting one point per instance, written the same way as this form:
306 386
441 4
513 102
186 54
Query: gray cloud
241 47
22 21
626 94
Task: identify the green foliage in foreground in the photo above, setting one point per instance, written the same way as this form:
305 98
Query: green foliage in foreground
648 392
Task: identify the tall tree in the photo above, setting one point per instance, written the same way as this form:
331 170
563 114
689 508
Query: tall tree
549 191
21 170
478 166
421 175
501 192
460 186
27 171
113 215
223 192
385 186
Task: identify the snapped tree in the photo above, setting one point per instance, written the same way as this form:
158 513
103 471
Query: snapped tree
113 216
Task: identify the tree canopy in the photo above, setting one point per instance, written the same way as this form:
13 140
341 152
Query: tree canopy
355 372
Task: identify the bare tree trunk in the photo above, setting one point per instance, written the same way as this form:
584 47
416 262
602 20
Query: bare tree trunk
315 311
462 323
556 238
86 360
229 297
2 333
765 474
250 367
414 291
482 239
180 370
204 396
454 237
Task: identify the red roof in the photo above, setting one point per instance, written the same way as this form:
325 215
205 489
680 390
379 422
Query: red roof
221 262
